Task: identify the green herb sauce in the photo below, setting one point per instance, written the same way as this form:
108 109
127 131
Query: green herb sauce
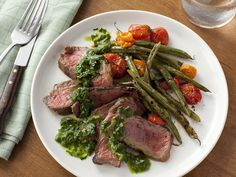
81 94
101 36
88 68
76 135
137 163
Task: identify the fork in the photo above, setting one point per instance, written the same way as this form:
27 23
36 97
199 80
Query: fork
27 27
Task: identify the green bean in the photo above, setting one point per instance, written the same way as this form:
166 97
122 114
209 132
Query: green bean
150 61
132 49
146 76
152 55
118 49
154 106
140 56
175 52
141 49
147 106
131 65
165 73
144 43
193 115
165 49
169 61
184 77
164 102
155 75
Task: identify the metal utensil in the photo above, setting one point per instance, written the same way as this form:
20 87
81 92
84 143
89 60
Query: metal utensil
15 75
27 27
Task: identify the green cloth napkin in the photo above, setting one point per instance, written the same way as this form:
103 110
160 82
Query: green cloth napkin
58 17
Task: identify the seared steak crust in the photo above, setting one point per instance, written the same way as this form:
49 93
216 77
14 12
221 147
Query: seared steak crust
70 59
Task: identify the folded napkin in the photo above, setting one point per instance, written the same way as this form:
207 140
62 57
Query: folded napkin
58 17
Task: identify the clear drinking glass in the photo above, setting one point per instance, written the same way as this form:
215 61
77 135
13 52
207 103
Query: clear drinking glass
209 13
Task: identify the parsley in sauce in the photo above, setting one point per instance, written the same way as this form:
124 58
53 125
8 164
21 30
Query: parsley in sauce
77 135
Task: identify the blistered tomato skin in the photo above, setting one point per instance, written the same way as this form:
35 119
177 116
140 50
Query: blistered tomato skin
124 39
156 119
140 65
140 32
191 93
118 64
188 70
159 35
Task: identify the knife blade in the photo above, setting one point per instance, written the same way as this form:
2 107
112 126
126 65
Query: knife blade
24 53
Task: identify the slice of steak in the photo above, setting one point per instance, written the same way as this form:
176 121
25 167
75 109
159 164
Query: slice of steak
103 154
103 110
104 77
153 140
70 58
103 95
59 98
75 108
128 101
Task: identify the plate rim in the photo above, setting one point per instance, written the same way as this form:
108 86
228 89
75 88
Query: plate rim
209 149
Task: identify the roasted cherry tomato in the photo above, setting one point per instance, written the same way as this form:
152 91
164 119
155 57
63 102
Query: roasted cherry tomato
159 35
140 32
165 85
118 64
124 39
156 119
191 93
140 65
188 70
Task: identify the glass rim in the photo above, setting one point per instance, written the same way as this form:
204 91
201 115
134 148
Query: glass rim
229 6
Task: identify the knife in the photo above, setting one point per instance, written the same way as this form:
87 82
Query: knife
8 93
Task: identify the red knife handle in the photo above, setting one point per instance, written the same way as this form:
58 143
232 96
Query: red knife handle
8 93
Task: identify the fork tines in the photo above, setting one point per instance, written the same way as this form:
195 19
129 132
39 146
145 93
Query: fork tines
30 18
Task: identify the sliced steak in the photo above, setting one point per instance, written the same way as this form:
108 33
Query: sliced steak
129 101
70 58
104 77
59 98
153 140
103 154
103 95
103 110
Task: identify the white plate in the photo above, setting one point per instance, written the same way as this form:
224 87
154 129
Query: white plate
212 110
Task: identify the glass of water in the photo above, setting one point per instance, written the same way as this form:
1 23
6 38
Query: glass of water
209 13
